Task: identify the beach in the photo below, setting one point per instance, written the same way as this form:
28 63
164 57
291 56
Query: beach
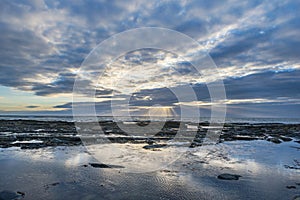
47 160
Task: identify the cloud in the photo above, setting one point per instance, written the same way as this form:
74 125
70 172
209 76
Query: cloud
239 101
255 45
269 85
32 106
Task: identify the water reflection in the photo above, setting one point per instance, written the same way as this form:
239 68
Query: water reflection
261 165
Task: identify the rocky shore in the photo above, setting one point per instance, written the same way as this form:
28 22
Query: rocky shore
30 134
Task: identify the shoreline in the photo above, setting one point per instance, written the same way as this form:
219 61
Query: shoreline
229 170
30 134
47 160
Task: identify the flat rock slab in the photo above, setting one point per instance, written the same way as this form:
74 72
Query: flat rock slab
229 177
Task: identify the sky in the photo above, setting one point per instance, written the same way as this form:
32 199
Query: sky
255 46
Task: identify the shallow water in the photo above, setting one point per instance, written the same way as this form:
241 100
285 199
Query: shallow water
64 173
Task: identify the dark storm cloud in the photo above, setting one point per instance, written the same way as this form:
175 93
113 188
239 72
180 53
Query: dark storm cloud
263 110
63 84
239 43
282 87
91 10
104 107
192 27
286 44
269 85
268 94
161 96
270 41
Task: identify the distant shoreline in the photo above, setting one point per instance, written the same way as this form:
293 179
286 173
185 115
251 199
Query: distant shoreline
70 118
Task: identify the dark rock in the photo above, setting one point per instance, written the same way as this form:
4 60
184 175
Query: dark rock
244 137
296 165
143 123
297 197
285 139
150 142
21 193
154 146
61 133
291 167
195 144
168 171
54 184
99 165
31 146
9 195
274 140
291 187
229 177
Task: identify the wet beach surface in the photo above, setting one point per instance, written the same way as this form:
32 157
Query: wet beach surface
250 161
37 134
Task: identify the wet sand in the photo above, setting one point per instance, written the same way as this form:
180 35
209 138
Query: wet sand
265 168
65 172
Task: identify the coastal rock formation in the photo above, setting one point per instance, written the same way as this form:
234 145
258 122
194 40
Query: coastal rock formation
32 134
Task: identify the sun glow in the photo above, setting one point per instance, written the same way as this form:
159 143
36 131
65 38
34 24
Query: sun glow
160 111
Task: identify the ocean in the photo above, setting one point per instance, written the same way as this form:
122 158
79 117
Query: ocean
141 118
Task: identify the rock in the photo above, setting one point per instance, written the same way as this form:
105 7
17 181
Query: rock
244 137
297 197
9 195
54 184
274 140
21 193
229 177
99 165
150 142
168 171
154 146
291 187
285 139
291 167
195 144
